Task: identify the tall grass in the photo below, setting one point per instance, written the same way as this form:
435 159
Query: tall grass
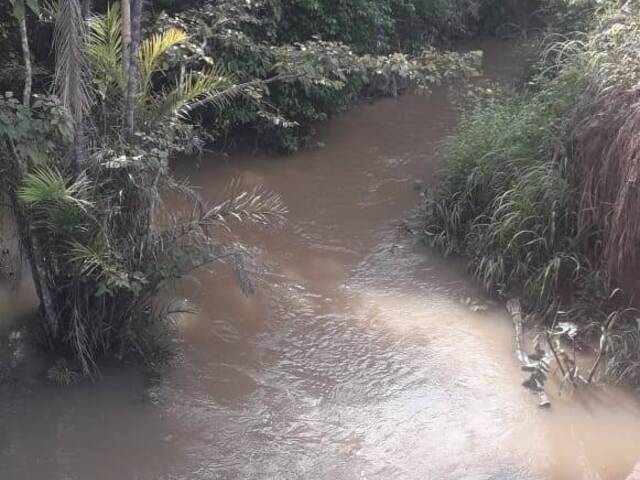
539 188
502 201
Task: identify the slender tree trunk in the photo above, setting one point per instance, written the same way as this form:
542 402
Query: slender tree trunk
81 142
132 84
79 148
26 55
34 255
126 35
27 239
31 247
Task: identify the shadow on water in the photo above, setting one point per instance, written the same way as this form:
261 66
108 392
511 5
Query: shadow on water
357 358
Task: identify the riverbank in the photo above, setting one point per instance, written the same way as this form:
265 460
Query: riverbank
538 183
325 57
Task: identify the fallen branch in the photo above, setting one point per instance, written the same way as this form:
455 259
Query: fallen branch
539 367
555 355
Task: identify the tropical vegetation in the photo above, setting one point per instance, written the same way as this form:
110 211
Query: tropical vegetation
88 128
540 184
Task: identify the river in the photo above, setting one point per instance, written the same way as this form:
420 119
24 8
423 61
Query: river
363 355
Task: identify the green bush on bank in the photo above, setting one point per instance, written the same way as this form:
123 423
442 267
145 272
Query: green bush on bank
537 187
368 26
322 66
380 26
250 38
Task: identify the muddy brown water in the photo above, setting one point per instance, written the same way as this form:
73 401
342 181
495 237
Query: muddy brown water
355 359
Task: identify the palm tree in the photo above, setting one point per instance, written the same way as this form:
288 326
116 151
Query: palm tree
106 52
106 259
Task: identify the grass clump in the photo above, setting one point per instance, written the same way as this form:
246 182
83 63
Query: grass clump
538 186
503 203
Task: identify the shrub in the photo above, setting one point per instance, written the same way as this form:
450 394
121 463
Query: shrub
503 202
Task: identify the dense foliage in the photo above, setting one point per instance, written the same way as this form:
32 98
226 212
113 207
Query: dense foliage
538 185
83 173
379 26
325 56
252 41
85 147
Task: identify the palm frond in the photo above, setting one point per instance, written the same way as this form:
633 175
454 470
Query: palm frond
151 52
193 89
256 206
90 259
72 69
105 48
211 87
47 186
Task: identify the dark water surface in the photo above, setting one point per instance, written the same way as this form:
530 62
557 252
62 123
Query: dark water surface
356 359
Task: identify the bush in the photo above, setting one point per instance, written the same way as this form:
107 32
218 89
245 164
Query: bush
90 214
379 26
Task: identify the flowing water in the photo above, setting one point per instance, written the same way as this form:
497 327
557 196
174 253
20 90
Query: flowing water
355 359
